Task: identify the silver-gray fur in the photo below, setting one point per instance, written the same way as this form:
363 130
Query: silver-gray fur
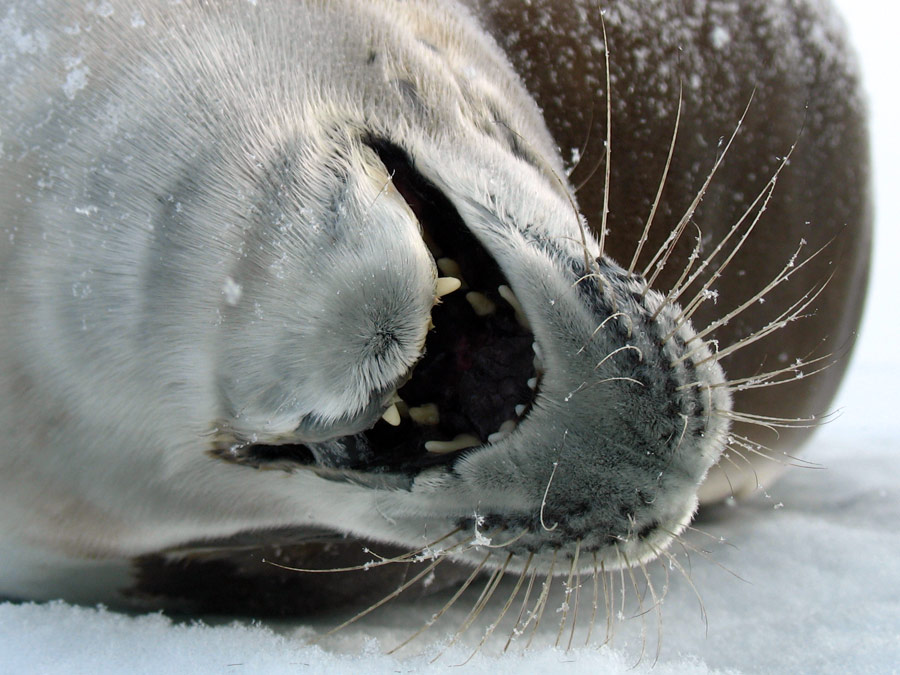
203 250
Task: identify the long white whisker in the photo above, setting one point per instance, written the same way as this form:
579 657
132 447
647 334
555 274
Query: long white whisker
658 260
608 154
662 183
462 589
515 632
568 592
509 602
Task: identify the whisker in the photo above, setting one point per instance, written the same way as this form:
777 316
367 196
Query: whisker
773 423
703 615
584 386
544 500
462 589
541 603
710 535
790 268
515 632
608 600
595 602
742 470
793 313
486 594
761 450
592 173
641 611
577 599
764 196
562 185
411 556
383 601
657 604
617 351
506 543
603 323
688 266
767 379
608 154
568 592
643 238
659 259
706 555
509 602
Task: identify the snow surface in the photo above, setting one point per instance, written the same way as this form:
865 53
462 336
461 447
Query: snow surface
818 556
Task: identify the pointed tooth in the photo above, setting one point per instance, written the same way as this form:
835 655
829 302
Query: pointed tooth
446 285
395 398
427 414
450 268
505 430
481 304
392 415
461 442
532 383
507 294
520 409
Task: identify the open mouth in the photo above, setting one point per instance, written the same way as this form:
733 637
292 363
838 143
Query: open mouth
481 369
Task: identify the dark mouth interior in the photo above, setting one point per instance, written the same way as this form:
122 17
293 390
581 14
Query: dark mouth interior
479 373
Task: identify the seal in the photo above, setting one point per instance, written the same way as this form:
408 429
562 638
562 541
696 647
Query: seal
276 273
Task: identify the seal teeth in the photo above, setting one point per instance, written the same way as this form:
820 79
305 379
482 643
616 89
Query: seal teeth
507 294
520 409
446 285
481 304
461 442
427 414
392 415
532 383
505 430
538 361
450 268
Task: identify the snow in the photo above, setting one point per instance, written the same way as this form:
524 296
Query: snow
817 556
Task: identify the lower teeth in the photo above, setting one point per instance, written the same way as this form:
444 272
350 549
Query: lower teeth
459 443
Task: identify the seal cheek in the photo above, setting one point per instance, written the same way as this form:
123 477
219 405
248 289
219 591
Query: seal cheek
325 342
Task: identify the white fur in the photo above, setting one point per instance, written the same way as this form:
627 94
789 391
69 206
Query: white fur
160 286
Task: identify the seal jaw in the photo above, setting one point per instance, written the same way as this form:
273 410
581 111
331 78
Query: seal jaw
617 408
630 411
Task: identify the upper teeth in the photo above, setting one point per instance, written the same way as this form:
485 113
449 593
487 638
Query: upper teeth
392 415
507 294
428 414
446 285
481 304
450 268
425 414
